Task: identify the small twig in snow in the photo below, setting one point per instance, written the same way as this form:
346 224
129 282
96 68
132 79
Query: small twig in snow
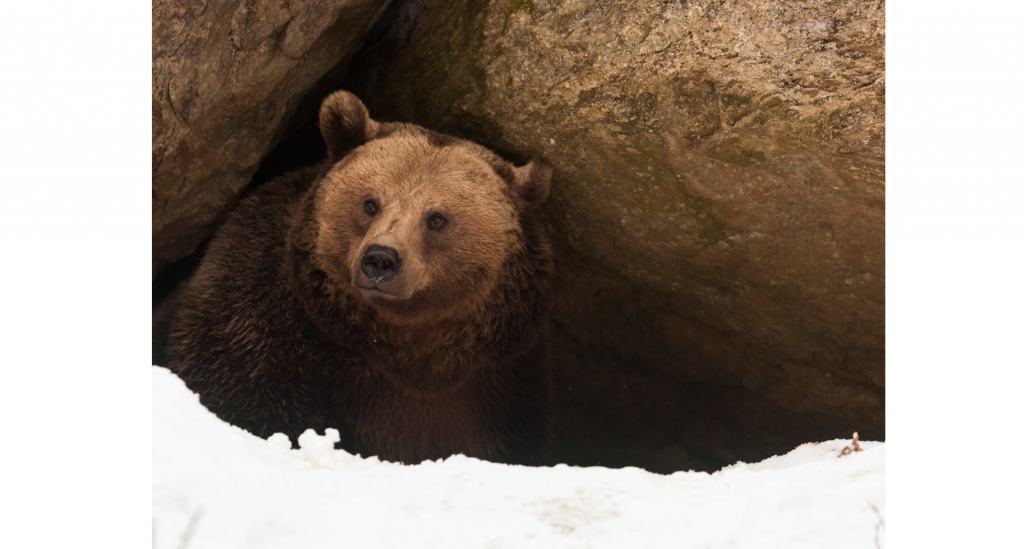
190 529
856 447
879 526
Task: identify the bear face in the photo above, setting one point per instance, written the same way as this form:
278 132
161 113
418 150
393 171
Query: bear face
416 225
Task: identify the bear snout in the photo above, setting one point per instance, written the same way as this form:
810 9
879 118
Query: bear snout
381 263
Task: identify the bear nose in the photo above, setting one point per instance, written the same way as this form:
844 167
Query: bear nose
381 263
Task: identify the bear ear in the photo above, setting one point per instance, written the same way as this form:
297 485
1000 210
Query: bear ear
345 124
531 183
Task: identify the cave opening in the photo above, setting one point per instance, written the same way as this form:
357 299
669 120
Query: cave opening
616 401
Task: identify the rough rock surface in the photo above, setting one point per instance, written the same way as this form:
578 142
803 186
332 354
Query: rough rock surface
228 75
718 206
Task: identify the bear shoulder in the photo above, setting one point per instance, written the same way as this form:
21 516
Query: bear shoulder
235 319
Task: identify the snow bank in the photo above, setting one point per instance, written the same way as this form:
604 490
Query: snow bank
217 486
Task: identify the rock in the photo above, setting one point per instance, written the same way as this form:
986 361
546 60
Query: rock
227 77
718 207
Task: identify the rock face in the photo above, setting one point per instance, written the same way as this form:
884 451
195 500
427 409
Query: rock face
718 207
227 77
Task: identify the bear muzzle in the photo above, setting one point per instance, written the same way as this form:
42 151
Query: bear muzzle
382 274
381 264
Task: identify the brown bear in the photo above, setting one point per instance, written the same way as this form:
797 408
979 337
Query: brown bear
397 292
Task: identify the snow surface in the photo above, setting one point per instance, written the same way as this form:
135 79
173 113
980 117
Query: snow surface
217 486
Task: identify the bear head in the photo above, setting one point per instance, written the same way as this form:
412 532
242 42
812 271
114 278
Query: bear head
417 225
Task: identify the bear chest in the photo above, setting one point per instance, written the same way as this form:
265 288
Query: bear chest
402 423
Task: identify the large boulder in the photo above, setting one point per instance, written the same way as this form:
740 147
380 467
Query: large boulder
718 208
228 76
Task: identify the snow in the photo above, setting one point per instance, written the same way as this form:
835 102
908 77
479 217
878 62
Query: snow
217 486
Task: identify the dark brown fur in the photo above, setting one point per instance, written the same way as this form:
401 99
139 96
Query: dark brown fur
277 332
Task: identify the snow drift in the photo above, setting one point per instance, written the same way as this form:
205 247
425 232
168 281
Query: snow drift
216 486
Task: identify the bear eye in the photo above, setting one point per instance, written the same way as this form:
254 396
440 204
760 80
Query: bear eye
436 221
371 207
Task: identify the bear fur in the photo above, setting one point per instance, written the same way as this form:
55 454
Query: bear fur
398 292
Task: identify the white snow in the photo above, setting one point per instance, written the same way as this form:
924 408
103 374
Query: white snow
217 486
